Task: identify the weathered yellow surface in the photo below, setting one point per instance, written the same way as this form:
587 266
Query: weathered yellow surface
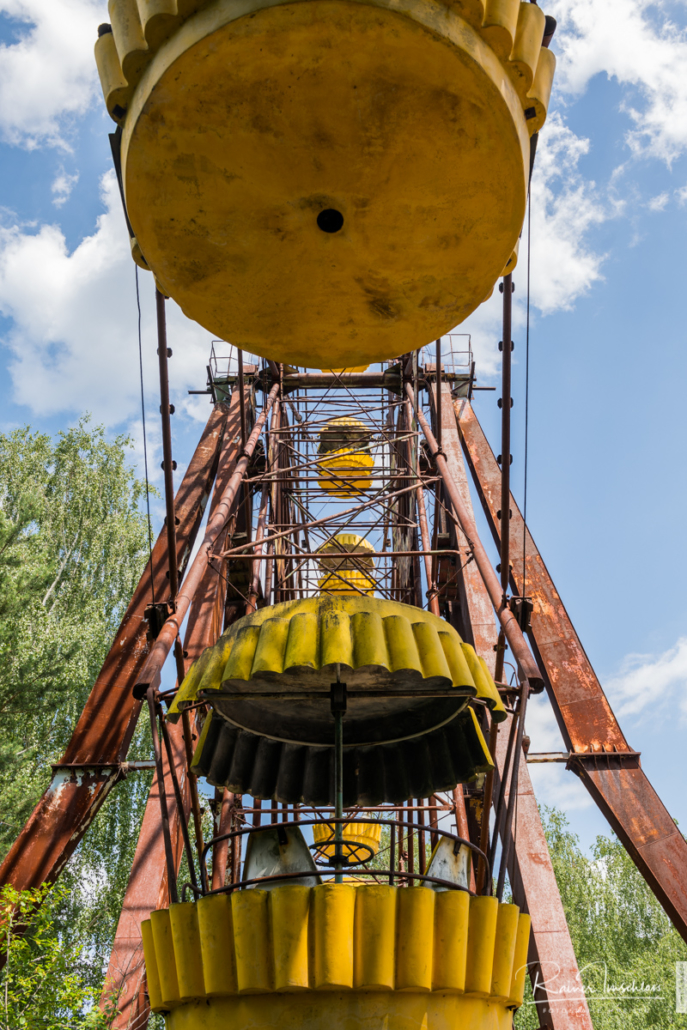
340 955
345 473
353 631
353 833
344 1010
255 116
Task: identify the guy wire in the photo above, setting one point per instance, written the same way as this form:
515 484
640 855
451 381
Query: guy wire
145 443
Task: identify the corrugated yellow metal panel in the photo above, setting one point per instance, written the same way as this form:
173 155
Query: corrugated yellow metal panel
451 922
481 940
333 909
414 939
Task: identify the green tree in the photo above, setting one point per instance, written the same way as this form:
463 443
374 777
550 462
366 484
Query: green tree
42 986
626 946
73 544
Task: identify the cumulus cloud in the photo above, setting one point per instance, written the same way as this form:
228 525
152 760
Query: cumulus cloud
62 187
644 680
564 262
73 338
47 74
659 203
565 208
639 45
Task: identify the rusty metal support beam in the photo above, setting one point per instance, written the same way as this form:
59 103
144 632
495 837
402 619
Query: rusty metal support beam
553 968
148 886
215 527
106 725
167 463
610 770
506 345
514 634
530 870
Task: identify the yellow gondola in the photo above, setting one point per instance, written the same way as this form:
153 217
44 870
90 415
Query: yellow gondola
325 183
345 468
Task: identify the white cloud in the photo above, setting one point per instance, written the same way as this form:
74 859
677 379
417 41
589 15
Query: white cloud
636 43
564 263
73 340
658 203
646 681
48 76
565 207
62 187
681 195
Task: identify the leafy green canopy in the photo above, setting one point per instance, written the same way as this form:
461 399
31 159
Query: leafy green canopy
41 985
73 545
626 946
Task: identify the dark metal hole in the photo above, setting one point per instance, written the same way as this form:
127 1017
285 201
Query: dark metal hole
330 220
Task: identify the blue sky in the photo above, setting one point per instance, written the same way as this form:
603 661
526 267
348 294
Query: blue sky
608 358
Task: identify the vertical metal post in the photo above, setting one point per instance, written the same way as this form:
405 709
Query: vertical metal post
165 412
438 394
507 837
164 814
500 804
507 287
421 856
433 600
242 399
179 801
338 706
411 841
486 809
392 852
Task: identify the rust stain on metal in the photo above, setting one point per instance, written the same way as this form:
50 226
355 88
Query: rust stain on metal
530 869
615 778
107 722
147 888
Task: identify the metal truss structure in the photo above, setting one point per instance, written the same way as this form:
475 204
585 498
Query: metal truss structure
392 514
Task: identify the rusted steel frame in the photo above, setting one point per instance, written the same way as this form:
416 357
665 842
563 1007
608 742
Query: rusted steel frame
220 853
181 813
106 725
433 819
186 731
552 965
618 785
242 398
147 888
507 288
506 833
530 871
164 812
462 827
192 780
486 808
309 555
421 855
424 531
500 806
165 412
163 644
258 555
438 395
315 523
511 628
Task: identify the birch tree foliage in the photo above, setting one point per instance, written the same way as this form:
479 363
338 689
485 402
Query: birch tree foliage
73 544
626 946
